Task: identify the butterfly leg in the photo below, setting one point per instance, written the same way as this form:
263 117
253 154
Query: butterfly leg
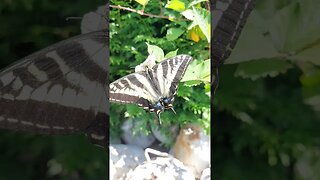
158 115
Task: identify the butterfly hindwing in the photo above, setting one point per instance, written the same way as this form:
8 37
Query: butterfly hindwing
58 90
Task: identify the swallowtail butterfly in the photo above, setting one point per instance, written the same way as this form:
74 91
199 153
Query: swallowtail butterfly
154 87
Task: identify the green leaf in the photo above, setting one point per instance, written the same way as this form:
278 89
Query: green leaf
188 14
196 2
174 33
202 18
157 51
171 54
176 5
311 89
142 2
296 26
252 44
197 73
207 89
311 54
196 34
262 68
192 83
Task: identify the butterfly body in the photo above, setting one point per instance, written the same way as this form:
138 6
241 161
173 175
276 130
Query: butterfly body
153 88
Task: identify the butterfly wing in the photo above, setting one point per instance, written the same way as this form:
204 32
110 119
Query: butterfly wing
58 90
168 73
145 88
134 88
229 17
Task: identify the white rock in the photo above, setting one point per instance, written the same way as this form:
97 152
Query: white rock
206 175
124 158
138 139
192 147
167 168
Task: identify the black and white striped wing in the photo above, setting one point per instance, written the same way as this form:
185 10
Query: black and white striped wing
228 19
145 87
168 73
134 88
59 90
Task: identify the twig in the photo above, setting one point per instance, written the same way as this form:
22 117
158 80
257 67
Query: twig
145 14
160 6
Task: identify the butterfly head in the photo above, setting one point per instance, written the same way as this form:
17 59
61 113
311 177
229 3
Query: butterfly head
158 108
167 103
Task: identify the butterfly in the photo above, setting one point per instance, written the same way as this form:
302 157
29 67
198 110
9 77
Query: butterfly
152 87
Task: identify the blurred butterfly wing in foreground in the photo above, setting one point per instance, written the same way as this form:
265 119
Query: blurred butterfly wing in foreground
59 90
228 19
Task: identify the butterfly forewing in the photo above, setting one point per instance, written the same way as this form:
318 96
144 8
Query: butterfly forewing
169 73
58 90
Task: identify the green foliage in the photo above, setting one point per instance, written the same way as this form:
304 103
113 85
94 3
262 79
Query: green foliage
267 103
28 26
133 37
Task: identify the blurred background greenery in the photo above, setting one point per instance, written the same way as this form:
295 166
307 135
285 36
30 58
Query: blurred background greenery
28 26
266 123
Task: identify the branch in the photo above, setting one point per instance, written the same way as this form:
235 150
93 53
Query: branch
143 13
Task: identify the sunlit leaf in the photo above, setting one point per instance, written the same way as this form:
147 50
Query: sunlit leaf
176 5
196 34
171 54
174 33
197 72
142 2
156 51
202 17
196 2
188 14
195 37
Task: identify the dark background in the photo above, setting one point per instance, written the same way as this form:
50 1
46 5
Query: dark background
266 121
28 26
